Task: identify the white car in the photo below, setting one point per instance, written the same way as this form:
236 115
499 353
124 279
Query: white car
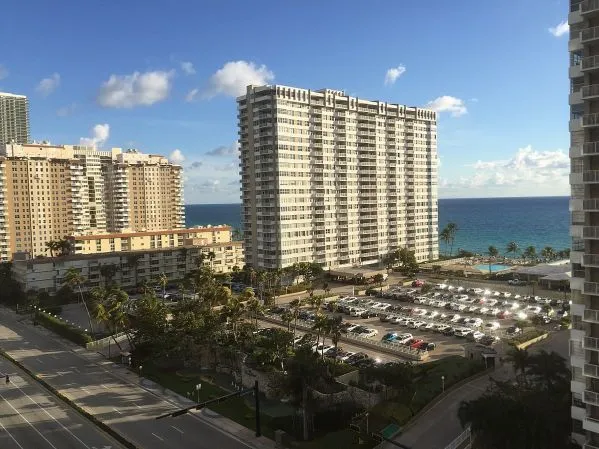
474 322
433 314
460 289
496 293
450 287
346 356
476 335
494 311
441 286
462 332
478 291
352 328
461 297
368 333
321 349
402 322
417 324
506 294
533 309
486 292
492 326
491 302
483 310
404 338
462 307
517 297
473 309
455 318
430 326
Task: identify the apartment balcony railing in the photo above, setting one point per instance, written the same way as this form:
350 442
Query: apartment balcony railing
590 288
590 316
589 7
590 177
590 34
590 370
590 120
590 260
590 232
590 148
590 63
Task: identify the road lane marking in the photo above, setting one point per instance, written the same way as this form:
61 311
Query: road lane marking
85 389
116 410
105 387
39 361
27 421
178 430
10 435
76 370
55 357
161 439
137 405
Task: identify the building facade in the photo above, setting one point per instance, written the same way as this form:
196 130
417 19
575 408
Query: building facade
48 192
584 206
143 241
132 267
14 118
334 179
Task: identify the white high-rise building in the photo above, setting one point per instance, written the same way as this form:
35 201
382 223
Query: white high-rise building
584 206
14 118
334 179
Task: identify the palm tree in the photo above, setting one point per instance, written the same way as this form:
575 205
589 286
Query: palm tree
519 358
452 228
133 262
287 318
74 279
64 246
445 236
108 271
530 253
52 246
548 253
320 324
162 281
233 311
512 247
549 367
211 257
295 307
493 252
335 330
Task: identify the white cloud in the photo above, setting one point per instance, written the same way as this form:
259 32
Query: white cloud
137 89
561 29
195 165
191 95
233 78
223 150
394 73
3 72
100 136
188 68
66 110
447 103
528 171
48 85
176 157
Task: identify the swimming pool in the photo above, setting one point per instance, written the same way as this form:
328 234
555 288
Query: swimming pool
494 267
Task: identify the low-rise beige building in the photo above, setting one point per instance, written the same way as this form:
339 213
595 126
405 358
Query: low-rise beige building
139 241
132 267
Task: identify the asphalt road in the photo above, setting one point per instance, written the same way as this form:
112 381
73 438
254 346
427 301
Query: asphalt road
30 417
438 427
123 405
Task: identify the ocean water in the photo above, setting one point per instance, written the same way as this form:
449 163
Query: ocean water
539 221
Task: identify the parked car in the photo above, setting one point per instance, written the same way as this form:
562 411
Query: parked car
403 338
492 326
516 282
449 331
415 343
389 337
513 331
418 283
463 332
356 358
476 335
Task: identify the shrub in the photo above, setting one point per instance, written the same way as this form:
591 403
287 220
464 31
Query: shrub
527 335
63 329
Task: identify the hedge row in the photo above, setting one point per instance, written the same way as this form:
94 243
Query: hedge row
63 329
71 404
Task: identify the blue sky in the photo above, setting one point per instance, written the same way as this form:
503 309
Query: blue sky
162 76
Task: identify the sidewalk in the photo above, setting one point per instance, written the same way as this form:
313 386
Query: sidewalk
208 416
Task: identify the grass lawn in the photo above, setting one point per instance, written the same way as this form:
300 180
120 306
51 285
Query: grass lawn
183 382
345 439
427 385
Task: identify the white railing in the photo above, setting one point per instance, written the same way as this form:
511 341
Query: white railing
463 441
589 260
590 370
591 315
590 62
103 342
589 34
589 5
590 176
590 343
590 397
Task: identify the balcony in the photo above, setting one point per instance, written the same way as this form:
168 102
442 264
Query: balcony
589 35
590 232
591 424
590 120
589 8
591 370
590 177
591 316
590 260
590 149
590 63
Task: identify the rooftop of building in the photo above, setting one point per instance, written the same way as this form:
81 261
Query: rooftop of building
544 269
192 230
74 257
7 94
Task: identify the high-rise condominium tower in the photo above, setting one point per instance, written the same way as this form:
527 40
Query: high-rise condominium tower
584 206
14 118
333 179
49 192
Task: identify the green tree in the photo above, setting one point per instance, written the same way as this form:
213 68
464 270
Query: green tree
409 265
133 263
150 320
162 281
520 359
530 253
75 280
334 329
449 232
234 311
512 248
445 237
52 246
108 272
548 253
493 252
548 368
379 279
295 307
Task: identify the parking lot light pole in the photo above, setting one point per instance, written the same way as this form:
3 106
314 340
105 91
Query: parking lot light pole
198 388
443 383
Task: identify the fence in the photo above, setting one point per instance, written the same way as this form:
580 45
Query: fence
103 342
463 441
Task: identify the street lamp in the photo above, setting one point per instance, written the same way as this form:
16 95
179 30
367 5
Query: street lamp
140 368
198 388
443 383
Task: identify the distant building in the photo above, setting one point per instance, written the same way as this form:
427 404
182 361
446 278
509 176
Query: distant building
140 241
334 179
48 192
133 267
14 118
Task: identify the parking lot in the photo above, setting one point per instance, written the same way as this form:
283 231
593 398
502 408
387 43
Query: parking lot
440 321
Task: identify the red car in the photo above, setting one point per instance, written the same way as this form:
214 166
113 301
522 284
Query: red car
416 343
418 283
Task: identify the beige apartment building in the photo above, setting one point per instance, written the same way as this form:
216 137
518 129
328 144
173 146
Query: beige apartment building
584 206
133 267
143 241
335 179
14 118
48 192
